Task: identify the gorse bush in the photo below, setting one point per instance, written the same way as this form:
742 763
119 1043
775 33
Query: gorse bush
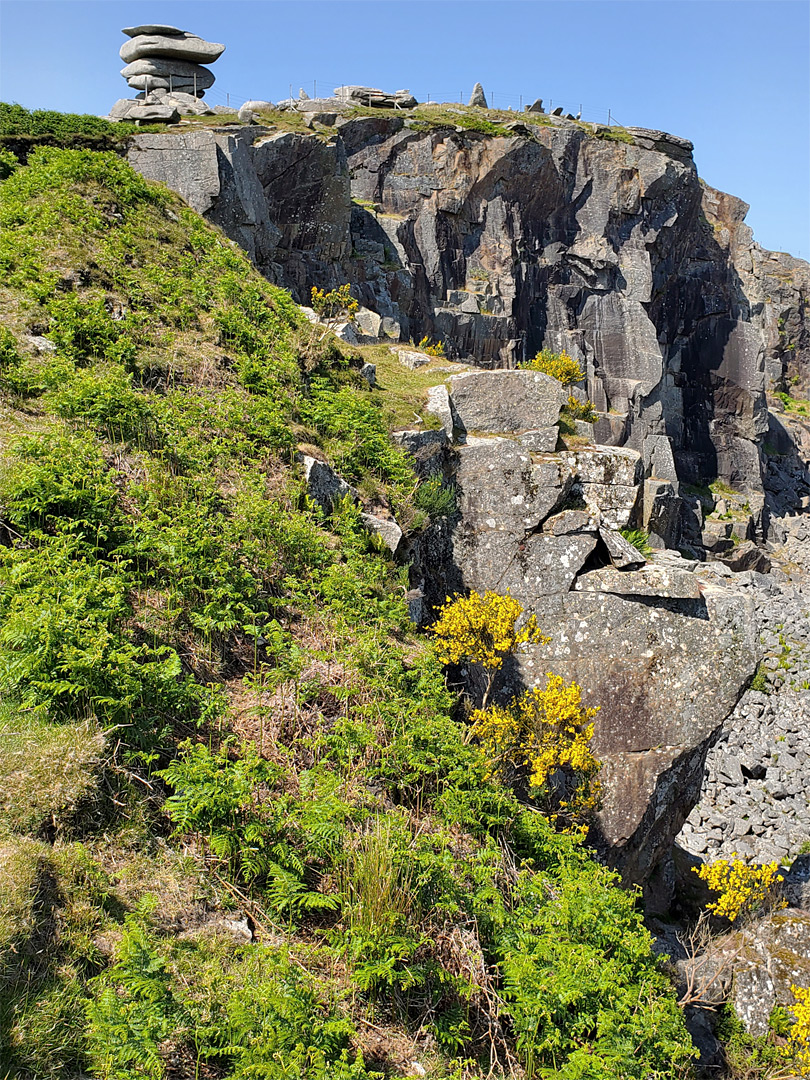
545 734
559 366
799 1039
580 410
17 120
741 889
483 629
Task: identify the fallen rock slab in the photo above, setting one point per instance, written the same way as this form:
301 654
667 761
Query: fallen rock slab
652 581
505 402
623 554
746 556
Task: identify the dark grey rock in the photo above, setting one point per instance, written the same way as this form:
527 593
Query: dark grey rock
369 373
747 556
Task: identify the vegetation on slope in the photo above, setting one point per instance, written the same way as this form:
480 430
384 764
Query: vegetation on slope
218 718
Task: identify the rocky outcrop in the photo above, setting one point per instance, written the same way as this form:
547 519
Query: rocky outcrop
775 956
165 65
664 650
550 233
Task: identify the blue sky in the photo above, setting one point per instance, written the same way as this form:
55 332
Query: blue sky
731 75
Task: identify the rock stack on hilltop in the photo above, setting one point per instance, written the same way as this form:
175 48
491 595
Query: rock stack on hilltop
165 65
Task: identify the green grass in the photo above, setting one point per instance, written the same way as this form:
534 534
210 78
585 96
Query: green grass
470 118
615 134
797 406
401 393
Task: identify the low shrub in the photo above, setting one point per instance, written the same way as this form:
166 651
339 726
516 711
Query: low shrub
559 366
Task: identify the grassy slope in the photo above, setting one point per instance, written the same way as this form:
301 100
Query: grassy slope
177 620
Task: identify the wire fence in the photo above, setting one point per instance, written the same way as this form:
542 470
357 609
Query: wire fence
496 99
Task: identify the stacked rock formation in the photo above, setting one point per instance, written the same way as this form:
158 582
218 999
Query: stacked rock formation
165 65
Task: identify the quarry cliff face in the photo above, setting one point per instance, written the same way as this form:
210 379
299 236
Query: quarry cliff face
607 245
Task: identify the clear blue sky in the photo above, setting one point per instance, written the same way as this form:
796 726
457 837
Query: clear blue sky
731 75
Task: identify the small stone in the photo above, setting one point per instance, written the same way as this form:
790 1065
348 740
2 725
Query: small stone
623 554
411 358
369 373
386 528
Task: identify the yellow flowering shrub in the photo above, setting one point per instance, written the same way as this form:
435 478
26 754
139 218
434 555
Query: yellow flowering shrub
431 348
559 366
798 1046
581 410
335 304
546 732
483 630
741 889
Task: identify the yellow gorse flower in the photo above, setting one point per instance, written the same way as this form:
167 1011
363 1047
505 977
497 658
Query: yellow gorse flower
798 1045
547 729
482 629
337 302
559 366
741 888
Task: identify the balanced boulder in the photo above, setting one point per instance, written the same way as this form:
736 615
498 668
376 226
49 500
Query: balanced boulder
182 46
156 73
376 99
164 63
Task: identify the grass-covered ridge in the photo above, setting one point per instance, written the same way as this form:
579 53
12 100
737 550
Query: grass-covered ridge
215 706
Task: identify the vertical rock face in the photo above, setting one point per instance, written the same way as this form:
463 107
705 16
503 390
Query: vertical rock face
550 235
663 652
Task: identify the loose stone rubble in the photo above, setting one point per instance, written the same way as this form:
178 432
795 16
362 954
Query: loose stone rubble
755 799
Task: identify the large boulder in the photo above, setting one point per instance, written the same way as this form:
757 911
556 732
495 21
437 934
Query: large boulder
376 99
144 112
662 652
505 402
175 46
665 673
157 73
